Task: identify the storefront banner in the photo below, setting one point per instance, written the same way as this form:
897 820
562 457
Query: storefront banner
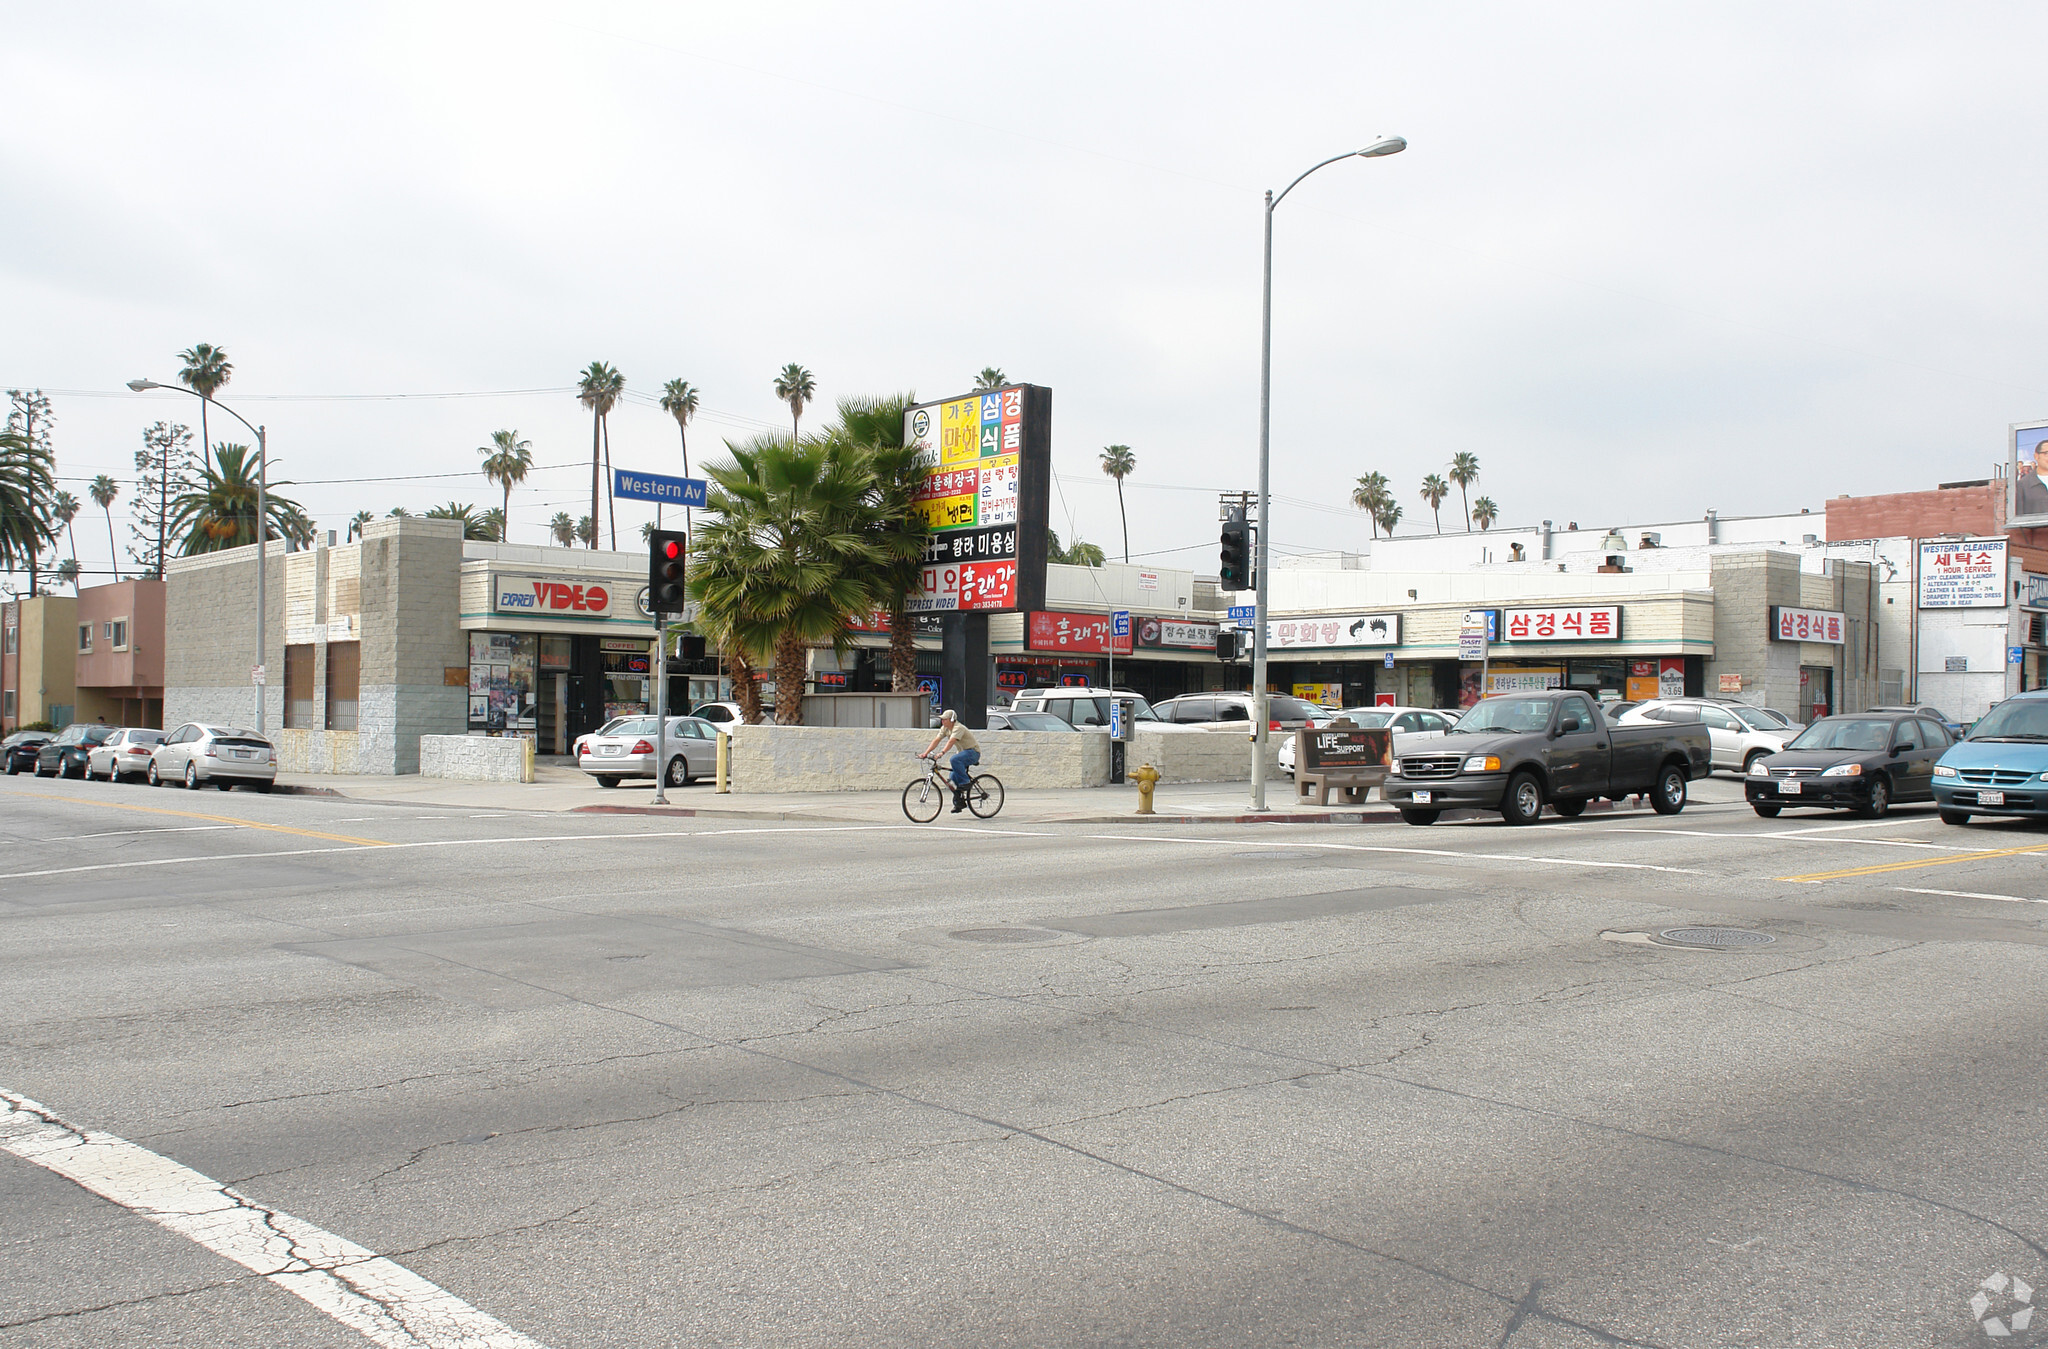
1082 633
539 595
1578 623
1175 632
1522 681
1965 575
975 586
1807 625
2034 591
1334 632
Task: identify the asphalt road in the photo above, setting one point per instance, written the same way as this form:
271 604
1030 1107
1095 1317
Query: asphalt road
624 1082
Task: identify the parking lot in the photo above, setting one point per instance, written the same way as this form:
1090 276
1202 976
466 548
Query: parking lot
597 1080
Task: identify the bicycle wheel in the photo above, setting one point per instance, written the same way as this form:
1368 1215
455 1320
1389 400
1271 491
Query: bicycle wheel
921 801
985 796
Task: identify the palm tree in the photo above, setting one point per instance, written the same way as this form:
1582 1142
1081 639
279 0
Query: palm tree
679 400
507 461
598 389
564 530
784 564
1119 463
586 531
1371 496
1434 490
898 530
67 572
1465 472
221 511
474 527
1083 554
26 485
398 513
29 419
795 387
356 523
494 520
1485 512
206 369
989 378
64 509
103 491
1389 516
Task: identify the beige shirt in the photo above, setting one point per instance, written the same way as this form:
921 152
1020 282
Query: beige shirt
959 737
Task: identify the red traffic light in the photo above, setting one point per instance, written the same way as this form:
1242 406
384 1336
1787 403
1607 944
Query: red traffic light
672 549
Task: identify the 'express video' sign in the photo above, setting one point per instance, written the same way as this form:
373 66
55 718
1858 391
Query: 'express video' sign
539 596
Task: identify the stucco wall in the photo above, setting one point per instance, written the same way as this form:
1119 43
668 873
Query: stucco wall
474 758
1206 756
317 751
862 759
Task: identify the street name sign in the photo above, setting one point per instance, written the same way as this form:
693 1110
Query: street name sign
657 487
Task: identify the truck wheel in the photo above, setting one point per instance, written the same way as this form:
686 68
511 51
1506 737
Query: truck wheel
1668 796
1571 810
1414 816
1955 817
1523 801
1880 799
1768 812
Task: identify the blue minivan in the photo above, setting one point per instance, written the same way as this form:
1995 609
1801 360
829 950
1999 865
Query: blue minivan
2002 769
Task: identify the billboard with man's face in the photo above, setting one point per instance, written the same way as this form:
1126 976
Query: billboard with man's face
2029 507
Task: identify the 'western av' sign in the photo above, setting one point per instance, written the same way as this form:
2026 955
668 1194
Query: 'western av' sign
657 487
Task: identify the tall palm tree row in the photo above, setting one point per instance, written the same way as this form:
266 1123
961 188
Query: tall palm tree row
27 482
1465 472
220 511
795 387
1119 463
507 461
103 491
1434 490
206 370
1373 497
598 389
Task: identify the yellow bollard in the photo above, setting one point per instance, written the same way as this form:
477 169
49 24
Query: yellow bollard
724 752
1146 777
526 773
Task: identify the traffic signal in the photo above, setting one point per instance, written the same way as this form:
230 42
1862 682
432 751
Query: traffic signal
1226 645
1235 564
668 553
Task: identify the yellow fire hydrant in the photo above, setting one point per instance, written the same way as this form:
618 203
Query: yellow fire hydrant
1147 777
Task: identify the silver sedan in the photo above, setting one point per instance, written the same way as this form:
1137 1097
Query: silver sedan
195 754
625 749
125 753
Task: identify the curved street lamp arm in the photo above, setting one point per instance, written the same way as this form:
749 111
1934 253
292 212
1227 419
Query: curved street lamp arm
1297 182
205 398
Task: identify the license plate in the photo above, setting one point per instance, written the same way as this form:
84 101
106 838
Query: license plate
242 754
611 749
1788 789
1422 798
1990 798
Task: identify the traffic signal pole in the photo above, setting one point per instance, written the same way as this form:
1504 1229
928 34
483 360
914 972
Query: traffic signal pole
668 553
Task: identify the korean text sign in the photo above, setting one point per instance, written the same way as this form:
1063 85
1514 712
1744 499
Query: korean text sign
1808 625
1969 574
1333 631
1083 634
1564 623
982 491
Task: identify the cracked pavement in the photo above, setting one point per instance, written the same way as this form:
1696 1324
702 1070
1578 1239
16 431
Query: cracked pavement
650 1083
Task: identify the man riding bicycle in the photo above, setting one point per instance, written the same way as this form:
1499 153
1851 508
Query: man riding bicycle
955 736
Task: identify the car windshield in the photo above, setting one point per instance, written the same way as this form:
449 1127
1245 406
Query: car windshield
1283 708
1506 714
2019 719
1852 733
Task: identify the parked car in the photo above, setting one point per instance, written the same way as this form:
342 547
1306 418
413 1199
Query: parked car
1517 752
726 717
2002 768
1087 709
1861 761
1000 719
224 756
1955 728
1740 735
625 749
64 754
1233 711
21 750
1407 723
125 753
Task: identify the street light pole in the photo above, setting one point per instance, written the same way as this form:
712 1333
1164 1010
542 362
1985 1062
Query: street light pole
1262 551
262 526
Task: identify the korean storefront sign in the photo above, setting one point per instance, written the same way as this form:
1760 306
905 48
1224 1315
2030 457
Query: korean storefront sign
2034 592
1969 574
1175 632
1807 625
1082 634
987 474
1565 623
553 596
1334 632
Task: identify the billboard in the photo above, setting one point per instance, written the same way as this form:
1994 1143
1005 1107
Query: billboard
2028 508
987 476
1963 574
1334 632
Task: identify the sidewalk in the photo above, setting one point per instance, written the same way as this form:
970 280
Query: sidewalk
567 790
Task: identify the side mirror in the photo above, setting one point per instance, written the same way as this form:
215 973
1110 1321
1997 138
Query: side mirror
1897 750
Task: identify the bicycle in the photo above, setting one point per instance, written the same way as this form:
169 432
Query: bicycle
924 797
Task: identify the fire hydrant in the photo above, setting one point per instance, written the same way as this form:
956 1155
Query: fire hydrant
1146 777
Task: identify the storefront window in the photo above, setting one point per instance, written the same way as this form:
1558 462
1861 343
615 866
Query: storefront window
501 680
627 665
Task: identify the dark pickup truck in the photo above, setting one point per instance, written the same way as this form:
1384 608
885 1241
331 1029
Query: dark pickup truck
1518 752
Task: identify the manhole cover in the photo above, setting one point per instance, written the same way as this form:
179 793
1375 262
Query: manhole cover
1718 937
999 935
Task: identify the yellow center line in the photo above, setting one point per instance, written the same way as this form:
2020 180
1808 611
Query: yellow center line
1915 864
216 819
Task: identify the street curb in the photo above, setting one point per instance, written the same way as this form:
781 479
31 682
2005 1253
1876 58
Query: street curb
293 789
692 811
1332 817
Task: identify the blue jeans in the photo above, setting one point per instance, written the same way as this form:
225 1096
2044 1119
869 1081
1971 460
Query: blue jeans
963 761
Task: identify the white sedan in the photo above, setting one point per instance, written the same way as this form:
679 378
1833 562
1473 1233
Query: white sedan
1416 723
624 748
125 753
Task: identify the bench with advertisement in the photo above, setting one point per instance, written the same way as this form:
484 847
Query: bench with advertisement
1340 758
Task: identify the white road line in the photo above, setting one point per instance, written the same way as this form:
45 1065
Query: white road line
1969 894
1408 852
381 1300
1797 837
118 833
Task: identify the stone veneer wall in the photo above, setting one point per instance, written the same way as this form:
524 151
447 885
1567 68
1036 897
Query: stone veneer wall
475 758
1205 756
862 759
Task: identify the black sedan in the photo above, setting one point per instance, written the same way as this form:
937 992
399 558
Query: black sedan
21 748
1861 762
66 755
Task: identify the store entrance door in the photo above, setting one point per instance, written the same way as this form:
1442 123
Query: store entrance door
1816 691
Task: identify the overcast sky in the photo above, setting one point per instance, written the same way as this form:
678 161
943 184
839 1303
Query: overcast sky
1641 260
